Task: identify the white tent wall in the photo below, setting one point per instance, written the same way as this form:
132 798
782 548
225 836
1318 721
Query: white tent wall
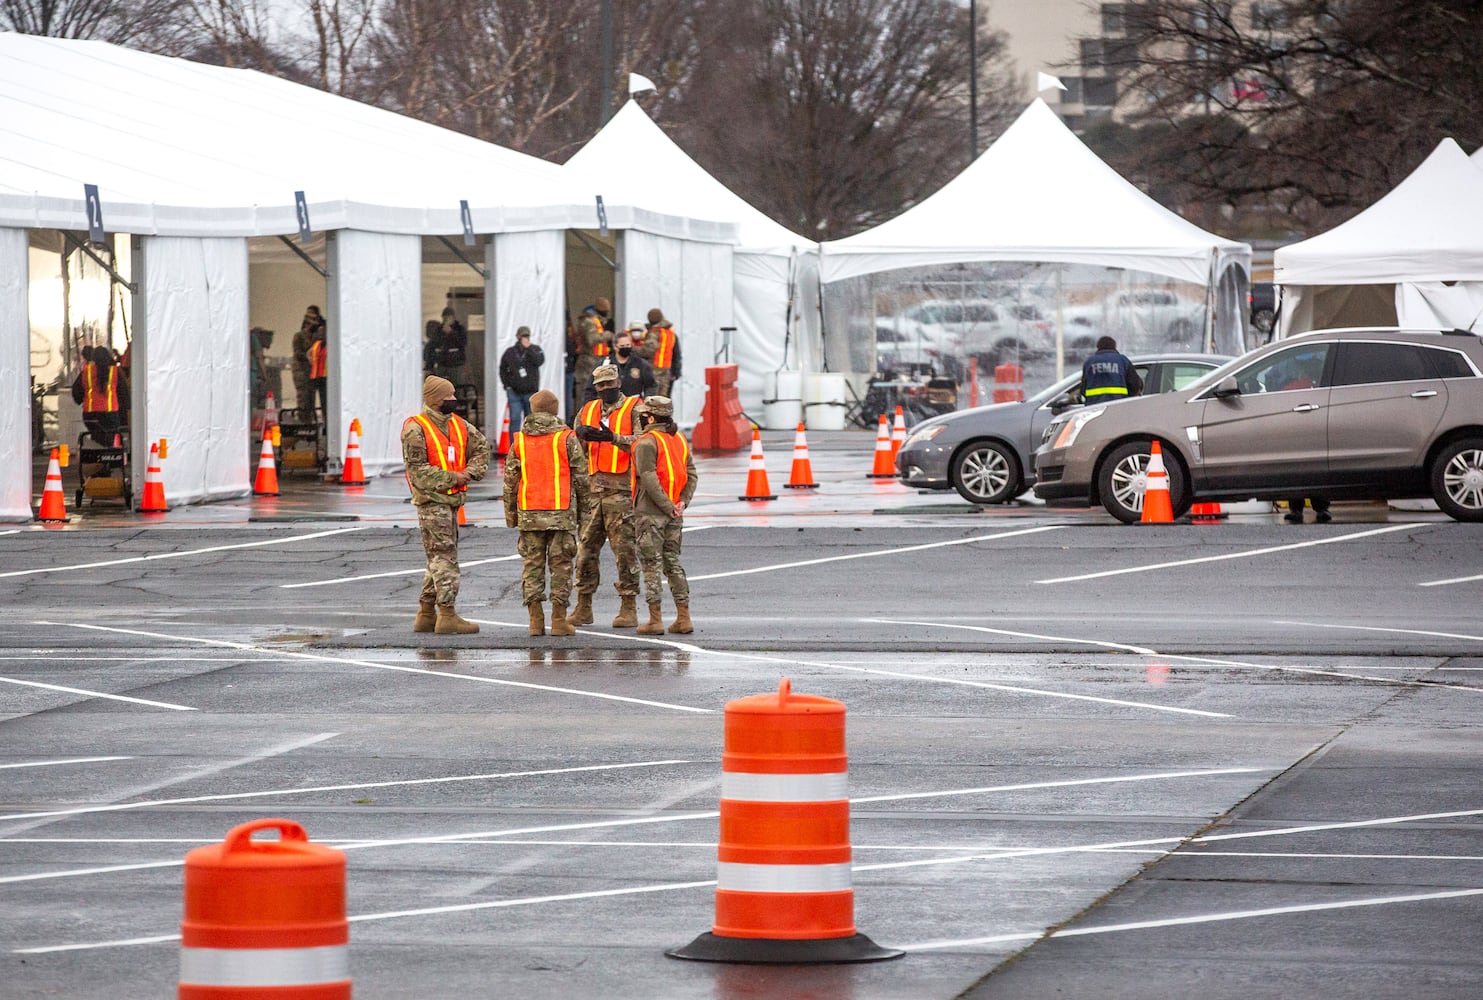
1438 306
773 333
1228 297
706 305
190 365
375 353
526 284
1318 307
15 371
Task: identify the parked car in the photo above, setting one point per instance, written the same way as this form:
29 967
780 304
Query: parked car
917 351
991 330
1374 413
986 453
1158 311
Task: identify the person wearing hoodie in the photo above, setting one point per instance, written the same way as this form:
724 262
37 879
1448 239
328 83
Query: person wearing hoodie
546 497
442 453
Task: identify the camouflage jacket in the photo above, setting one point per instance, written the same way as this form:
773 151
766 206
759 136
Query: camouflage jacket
544 425
590 334
651 498
429 483
613 482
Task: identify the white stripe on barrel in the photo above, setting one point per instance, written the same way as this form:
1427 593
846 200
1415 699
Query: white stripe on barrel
782 878
746 787
264 966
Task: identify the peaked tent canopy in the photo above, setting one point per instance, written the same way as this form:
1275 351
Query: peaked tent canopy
1426 231
775 270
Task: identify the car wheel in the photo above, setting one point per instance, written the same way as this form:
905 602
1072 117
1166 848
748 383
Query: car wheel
1120 482
986 472
1457 479
1263 320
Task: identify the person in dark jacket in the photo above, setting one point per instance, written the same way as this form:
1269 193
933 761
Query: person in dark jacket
1109 374
635 375
520 374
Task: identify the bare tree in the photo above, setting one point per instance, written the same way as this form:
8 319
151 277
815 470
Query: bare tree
144 23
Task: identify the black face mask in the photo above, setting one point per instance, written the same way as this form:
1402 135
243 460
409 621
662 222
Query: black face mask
623 353
611 395
448 406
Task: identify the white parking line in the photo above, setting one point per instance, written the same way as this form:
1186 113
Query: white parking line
1397 631
1456 579
180 555
12 531
347 661
877 553
69 760
1234 555
97 694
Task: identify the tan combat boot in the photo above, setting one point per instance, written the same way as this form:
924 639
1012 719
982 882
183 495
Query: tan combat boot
427 616
450 624
682 625
537 618
628 612
655 624
560 625
583 614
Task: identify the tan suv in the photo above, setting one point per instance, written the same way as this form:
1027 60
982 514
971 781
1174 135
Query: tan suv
1343 414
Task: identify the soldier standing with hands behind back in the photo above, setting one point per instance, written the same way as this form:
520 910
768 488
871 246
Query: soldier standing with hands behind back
443 454
546 497
664 480
606 424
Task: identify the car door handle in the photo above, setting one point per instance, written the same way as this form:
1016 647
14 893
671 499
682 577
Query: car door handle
1423 393
1305 408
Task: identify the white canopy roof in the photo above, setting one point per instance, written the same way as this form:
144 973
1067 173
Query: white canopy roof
633 161
182 148
1037 194
1429 228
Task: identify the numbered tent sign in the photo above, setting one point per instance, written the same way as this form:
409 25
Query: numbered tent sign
602 217
301 207
468 223
95 212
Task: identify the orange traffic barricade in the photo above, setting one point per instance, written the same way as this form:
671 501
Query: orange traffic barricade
783 892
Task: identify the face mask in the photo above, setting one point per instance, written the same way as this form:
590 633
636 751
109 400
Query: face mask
611 395
448 406
623 353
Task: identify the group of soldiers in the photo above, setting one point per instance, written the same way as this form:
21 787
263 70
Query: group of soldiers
647 355
622 475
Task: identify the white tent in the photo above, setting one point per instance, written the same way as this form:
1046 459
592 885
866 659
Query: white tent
1414 258
194 159
1039 194
775 271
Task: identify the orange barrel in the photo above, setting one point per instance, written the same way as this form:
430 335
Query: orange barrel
783 892
1009 383
265 919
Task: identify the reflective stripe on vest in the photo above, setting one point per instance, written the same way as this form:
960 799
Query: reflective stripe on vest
1108 390
448 455
669 465
603 456
318 360
545 471
664 354
264 967
98 399
601 349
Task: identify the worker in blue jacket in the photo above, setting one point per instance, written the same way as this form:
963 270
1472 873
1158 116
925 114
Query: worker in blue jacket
1109 374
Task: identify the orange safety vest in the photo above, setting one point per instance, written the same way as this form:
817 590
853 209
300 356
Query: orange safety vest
318 368
664 354
601 350
96 398
450 453
603 456
669 465
545 471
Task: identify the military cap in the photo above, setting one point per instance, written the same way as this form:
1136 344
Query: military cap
604 373
660 406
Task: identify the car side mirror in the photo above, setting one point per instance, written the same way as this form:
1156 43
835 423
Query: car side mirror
1063 402
1226 388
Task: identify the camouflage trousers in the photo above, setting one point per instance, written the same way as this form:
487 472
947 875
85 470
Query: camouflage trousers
610 521
558 549
438 524
659 557
663 380
303 391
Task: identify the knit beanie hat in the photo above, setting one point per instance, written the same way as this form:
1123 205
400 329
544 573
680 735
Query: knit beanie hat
435 390
544 402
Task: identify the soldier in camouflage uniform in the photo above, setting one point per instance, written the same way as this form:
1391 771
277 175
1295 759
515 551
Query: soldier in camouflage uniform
439 478
546 496
657 344
664 480
606 425
592 346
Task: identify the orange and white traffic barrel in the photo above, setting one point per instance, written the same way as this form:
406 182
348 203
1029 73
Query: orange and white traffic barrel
265 918
783 890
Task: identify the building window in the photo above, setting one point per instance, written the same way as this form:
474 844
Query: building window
1092 57
1100 93
1114 18
1073 92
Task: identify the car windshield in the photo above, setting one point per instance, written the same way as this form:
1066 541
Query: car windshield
1215 375
1046 395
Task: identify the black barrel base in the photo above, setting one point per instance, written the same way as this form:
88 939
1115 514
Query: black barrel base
773 951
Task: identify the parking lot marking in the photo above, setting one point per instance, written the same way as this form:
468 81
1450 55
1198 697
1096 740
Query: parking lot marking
348 661
69 760
97 694
1353 536
877 553
1069 783
180 555
12 531
1378 628
1456 579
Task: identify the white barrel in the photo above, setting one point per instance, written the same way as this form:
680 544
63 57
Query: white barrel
825 402
782 402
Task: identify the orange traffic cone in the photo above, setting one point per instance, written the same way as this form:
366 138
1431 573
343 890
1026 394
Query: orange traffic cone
802 475
1206 513
153 501
885 464
354 473
503 448
1156 506
757 488
53 502
266 483
270 414
898 436
463 517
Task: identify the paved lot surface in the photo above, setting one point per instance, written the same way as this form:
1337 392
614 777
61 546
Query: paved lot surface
1242 762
